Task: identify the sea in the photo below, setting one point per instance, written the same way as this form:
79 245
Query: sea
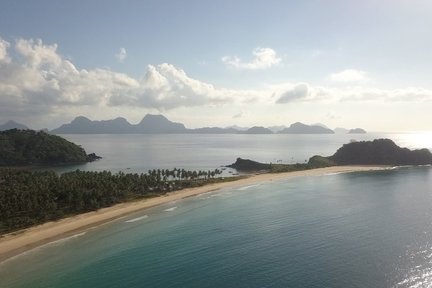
361 229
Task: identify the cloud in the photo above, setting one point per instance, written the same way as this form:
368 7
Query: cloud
349 76
264 58
332 115
121 55
300 91
3 51
238 115
36 80
287 93
39 79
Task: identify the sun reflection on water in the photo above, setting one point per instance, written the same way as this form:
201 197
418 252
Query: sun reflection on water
420 272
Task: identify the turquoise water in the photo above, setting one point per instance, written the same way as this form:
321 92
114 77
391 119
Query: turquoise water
371 229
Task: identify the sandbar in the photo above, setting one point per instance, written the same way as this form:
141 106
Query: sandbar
21 241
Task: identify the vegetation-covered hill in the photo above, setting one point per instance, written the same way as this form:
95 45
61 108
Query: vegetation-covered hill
376 152
28 147
380 152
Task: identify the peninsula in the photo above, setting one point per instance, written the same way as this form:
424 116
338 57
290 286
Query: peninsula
51 206
30 148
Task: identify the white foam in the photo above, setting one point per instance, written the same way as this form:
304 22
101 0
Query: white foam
333 173
136 219
170 209
248 187
52 243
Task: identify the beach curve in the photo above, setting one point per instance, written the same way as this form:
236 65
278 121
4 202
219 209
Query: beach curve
21 241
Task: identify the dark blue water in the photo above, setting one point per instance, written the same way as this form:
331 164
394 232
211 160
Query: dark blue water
370 229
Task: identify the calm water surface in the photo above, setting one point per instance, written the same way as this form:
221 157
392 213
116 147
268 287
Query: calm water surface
139 153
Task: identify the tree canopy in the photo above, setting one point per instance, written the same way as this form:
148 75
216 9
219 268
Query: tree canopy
380 152
28 147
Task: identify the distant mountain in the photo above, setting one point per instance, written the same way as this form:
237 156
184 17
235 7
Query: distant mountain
276 129
257 130
158 124
340 130
321 125
149 124
357 131
12 125
237 128
300 128
83 125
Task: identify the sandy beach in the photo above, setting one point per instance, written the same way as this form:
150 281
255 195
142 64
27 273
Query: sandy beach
21 241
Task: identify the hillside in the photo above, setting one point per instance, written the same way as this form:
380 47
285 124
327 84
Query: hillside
376 152
28 147
380 152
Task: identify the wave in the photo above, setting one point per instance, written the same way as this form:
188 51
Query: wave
247 187
333 173
136 219
52 243
65 239
170 209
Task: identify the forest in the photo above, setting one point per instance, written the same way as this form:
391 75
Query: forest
380 152
28 197
28 147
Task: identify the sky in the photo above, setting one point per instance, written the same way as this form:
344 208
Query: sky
359 63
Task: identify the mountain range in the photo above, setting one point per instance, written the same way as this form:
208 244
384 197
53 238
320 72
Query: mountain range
159 124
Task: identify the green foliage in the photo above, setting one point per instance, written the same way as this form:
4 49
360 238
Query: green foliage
28 198
28 147
320 162
380 152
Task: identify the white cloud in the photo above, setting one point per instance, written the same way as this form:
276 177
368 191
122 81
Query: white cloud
349 76
166 87
299 91
238 115
3 51
287 93
263 58
121 55
36 80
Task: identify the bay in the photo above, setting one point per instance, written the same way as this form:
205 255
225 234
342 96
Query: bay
138 153
369 229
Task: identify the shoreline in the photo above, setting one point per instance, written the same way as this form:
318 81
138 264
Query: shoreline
16 243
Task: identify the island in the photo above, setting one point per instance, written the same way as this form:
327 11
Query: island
376 152
357 131
300 128
257 130
29 148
